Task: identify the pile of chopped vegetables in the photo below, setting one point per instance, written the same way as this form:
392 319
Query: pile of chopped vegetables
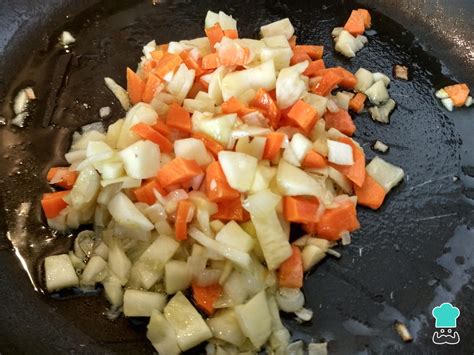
226 142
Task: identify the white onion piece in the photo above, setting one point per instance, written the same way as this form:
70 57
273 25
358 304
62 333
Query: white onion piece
141 159
380 146
340 153
66 39
384 173
304 314
468 101
119 92
289 85
289 299
292 181
441 94
448 104
239 169
281 27
318 349
381 77
125 212
365 79
377 93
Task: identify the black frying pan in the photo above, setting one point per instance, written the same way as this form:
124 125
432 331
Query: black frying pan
413 254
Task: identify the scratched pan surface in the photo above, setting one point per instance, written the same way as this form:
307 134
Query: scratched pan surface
414 253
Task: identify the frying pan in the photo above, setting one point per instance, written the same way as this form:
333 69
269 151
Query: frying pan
411 255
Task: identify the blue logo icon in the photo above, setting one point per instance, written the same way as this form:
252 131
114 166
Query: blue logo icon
446 316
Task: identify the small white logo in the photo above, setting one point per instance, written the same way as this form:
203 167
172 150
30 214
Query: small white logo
446 316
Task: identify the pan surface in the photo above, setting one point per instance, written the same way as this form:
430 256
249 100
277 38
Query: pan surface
415 253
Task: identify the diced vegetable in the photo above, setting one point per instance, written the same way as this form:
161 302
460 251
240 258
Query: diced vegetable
370 194
290 272
281 27
118 262
234 236
186 322
380 146
457 93
142 303
192 149
224 326
178 171
365 79
289 85
126 213
53 203
205 297
300 209
357 102
239 169
217 128
135 86
356 171
377 93
179 118
386 174
289 299
338 220
162 335
59 272
303 115
355 24
340 153
141 159
311 256
382 113
292 181
177 276
340 120
254 319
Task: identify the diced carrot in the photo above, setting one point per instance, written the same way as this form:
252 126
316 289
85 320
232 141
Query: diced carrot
299 56
191 63
315 52
211 61
340 120
370 194
335 221
231 210
197 86
356 172
300 209
273 145
164 47
179 118
178 171
205 297
232 54
217 187
148 133
458 93
314 160
233 105
145 192
303 115
167 64
232 34
66 177
357 102
149 66
290 272
310 228
210 143
53 203
182 215
349 80
267 106
366 16
135 86
152 84
157 54
292 42
329 81
214 34
355 24
314 68
162 128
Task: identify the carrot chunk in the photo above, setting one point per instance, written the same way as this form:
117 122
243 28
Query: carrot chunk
152 84
178 171
231 210
135 86
267 106
148 133
162 128
329 81
214 34
183 211
314 52
191 63
458 93
370 194
145 192
314 160
232 34
290 272
211 61
299 55
355 25
179 118
67 178
340 120
366 16
205 297
337 220
300 209
53 203
303 115
273 145
233 105
314 68
357 102
167 64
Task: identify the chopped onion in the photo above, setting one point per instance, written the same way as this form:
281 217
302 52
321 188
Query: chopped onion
340 153
346 238
224 326
318 349
381 77
207 277
448 103
468 101
239 169
289 299
384 173
365 79
281 27
289 85
311 255
124 212
66 39
382 113
304 314
120 93
380 146
377 93
332 106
